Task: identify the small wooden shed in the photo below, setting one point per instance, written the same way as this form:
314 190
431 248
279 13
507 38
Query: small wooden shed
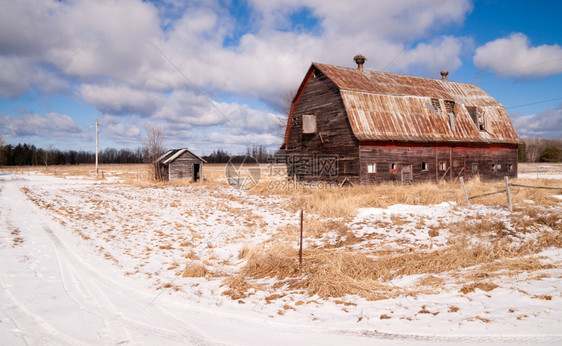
180 164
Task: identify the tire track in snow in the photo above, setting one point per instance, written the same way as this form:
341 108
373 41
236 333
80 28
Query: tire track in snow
99 295
32 328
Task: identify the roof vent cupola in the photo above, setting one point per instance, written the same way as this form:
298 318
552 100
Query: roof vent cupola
444 75
360 61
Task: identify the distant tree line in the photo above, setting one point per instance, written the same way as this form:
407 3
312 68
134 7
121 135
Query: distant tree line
29 155
258 152
540 150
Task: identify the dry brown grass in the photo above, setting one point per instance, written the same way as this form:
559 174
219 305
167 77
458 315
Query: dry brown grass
325 273
337 272
344 202
194 269
489 247
125 172
484 286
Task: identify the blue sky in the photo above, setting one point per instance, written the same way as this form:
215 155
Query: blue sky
218 74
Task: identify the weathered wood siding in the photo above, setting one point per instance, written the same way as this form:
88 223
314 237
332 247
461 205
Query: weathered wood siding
182 167
311 156
410 163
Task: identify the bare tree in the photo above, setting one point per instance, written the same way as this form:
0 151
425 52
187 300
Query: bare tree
286 111
153 147
46 157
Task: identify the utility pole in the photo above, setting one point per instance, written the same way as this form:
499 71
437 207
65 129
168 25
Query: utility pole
97 133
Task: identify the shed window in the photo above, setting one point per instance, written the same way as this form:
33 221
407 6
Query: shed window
424 166
443 166
372 168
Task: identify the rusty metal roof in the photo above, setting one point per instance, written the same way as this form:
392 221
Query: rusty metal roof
388 106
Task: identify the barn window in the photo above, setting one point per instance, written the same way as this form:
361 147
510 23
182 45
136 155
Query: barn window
424 166
450 106
474 168
393 167
308 124
499 167
372 168
493 167
478 118
436 105
443 166
297 120
510 168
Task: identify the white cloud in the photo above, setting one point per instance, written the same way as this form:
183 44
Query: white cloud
514 56
20 75
121 99
545 124
122 130
114 39
52 125
119 55
440 54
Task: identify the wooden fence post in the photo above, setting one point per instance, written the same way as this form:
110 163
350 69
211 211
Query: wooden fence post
300 248
465 193
508 192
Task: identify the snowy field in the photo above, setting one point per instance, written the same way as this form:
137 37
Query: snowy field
88 261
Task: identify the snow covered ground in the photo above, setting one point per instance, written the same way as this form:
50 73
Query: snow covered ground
85 262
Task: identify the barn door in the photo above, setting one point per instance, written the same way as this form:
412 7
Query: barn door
407 176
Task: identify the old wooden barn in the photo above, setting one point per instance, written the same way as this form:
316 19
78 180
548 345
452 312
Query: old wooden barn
372 126
180 164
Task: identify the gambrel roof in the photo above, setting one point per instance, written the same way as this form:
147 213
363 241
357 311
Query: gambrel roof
393 107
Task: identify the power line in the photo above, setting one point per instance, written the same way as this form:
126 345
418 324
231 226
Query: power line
534 103
395 57
199 90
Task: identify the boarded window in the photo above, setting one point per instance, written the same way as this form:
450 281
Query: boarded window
407 174
498 167
308 124
478 118
424 166
372 168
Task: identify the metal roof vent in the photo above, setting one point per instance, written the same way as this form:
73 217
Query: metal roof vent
444 75
359 60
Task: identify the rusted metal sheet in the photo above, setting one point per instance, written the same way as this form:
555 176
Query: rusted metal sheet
387 106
